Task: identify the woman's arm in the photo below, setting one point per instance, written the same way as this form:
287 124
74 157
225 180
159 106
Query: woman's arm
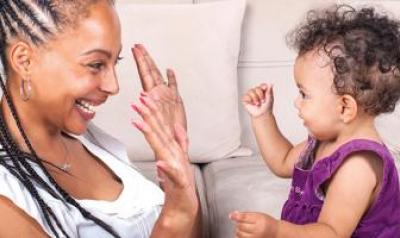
164 127
14 222
180 214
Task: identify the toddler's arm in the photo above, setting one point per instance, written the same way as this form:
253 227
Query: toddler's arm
349 195
278 153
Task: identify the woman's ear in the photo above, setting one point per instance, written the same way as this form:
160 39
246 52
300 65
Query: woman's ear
20 58
348 108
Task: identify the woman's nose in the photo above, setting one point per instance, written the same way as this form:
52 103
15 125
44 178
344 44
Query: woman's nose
109 83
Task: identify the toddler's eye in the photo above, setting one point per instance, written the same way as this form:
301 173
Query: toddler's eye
303 95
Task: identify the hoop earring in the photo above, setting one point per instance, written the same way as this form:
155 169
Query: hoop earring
25 90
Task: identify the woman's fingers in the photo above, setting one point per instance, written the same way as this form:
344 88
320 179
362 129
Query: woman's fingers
155 132
154 141
155 72
145 75
161 111
172 80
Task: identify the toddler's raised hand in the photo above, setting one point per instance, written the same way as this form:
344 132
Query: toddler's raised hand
259 101
254 225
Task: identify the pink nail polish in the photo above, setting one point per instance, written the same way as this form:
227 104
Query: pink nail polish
136 108
143 100
138 125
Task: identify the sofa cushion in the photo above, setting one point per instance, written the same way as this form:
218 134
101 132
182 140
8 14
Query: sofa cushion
201 42
242 184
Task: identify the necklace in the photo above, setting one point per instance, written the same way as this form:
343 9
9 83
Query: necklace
66 166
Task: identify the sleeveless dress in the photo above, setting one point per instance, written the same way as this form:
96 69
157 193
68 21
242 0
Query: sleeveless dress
381 220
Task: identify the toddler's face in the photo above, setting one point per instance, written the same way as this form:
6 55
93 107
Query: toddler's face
317 104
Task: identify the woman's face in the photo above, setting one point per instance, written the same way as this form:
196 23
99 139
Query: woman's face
75 73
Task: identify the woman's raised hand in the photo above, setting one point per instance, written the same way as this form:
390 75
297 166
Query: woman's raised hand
176 176
163 125
157 88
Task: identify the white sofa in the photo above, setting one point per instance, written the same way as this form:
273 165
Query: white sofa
243 182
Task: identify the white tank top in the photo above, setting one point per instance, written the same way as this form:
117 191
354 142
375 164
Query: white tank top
132 214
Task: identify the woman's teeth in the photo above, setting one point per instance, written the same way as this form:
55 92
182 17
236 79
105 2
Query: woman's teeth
86 106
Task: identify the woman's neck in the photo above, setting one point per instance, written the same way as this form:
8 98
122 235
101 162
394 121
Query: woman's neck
40 135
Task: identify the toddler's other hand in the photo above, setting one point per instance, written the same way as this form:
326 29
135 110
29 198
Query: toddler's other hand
254 225
259 101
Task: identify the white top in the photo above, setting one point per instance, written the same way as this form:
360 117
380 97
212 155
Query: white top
132 214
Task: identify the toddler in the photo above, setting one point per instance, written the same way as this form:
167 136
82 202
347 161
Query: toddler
344 181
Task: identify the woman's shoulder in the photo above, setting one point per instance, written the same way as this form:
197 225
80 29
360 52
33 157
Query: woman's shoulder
14 191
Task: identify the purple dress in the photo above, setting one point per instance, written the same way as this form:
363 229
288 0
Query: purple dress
306 197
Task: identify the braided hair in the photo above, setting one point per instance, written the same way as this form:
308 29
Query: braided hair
36 21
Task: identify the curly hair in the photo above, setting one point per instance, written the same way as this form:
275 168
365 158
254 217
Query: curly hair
364 50
37 21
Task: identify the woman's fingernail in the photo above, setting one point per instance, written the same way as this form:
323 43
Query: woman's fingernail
143 94
143 100
135 107
137 124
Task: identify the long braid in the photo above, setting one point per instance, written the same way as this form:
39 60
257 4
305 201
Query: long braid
26 173
23 177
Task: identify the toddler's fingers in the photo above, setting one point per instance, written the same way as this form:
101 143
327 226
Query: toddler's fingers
264 86
241 217
245 227
260 94
255 100
241 234
246 98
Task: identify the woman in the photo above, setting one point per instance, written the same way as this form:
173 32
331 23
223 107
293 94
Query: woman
59 58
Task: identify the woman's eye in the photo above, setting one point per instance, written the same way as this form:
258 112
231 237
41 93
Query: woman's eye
96 66
119 59
303 95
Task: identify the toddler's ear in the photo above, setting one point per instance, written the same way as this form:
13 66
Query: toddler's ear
348 108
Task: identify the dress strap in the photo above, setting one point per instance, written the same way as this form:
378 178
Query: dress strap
324 169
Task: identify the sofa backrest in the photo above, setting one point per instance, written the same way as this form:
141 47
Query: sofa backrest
264 57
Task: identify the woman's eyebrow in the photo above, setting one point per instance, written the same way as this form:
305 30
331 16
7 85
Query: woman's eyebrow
107 53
